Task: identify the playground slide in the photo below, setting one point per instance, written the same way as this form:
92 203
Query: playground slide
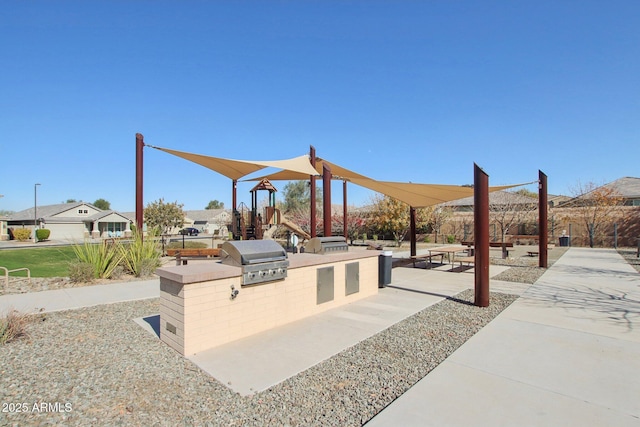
292 226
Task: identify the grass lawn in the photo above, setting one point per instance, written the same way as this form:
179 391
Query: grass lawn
43 262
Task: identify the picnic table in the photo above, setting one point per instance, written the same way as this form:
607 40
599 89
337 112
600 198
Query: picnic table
450 251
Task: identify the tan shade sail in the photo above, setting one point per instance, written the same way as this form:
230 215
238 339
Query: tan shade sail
422 195
337 172
416 195
299 168
236 169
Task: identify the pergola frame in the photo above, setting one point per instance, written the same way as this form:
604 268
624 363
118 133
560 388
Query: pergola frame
415 195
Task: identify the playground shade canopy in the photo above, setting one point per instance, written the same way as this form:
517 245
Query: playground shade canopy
300 168
236 169
337 172
413 194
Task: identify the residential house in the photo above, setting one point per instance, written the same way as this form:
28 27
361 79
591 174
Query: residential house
627 187
4 233
210 221
72 221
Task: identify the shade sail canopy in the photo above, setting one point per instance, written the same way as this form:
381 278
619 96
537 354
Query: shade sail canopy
299 168
416 195
236 169
337 172
422 195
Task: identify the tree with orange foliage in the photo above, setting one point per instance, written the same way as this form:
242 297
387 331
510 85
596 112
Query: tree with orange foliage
392 216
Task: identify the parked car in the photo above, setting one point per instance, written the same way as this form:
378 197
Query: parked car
189 231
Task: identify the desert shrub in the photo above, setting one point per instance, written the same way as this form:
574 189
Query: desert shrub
427 239
42 234
104 257
451 238
142 256
81 272
13 326
22 234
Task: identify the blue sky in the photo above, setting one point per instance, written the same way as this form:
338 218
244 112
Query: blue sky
396 90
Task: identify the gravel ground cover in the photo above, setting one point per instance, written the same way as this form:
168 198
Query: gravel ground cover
97 366
524 268
631 256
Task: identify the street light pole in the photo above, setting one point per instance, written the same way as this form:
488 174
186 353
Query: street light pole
35 210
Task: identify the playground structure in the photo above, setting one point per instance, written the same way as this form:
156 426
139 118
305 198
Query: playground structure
249 224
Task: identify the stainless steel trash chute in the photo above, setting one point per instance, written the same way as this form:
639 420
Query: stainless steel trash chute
261 260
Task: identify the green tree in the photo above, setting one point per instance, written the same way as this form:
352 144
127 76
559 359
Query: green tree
102 204
215 204
71 201
297 196
164 216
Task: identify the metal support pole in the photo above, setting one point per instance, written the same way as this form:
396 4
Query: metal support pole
139 187
344 210
312 194
569 234
481 235
234 208
326 198
412 224
543 207
35 211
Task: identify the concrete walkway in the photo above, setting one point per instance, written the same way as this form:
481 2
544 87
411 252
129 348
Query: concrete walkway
564 354
86 296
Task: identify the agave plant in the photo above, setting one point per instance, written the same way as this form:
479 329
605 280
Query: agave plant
142 256
104 257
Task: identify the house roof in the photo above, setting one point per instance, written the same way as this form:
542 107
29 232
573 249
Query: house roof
46 211
204 214
51 214
195 215
628 187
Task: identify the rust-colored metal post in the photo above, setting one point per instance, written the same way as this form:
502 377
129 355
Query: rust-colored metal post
139 186
326 199
312 194
412 224
344 210
481 235
543 207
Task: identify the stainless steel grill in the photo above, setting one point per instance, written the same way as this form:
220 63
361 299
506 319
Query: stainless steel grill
260 260
325 245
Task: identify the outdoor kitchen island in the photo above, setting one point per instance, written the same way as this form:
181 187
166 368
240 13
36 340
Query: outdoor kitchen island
205 304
